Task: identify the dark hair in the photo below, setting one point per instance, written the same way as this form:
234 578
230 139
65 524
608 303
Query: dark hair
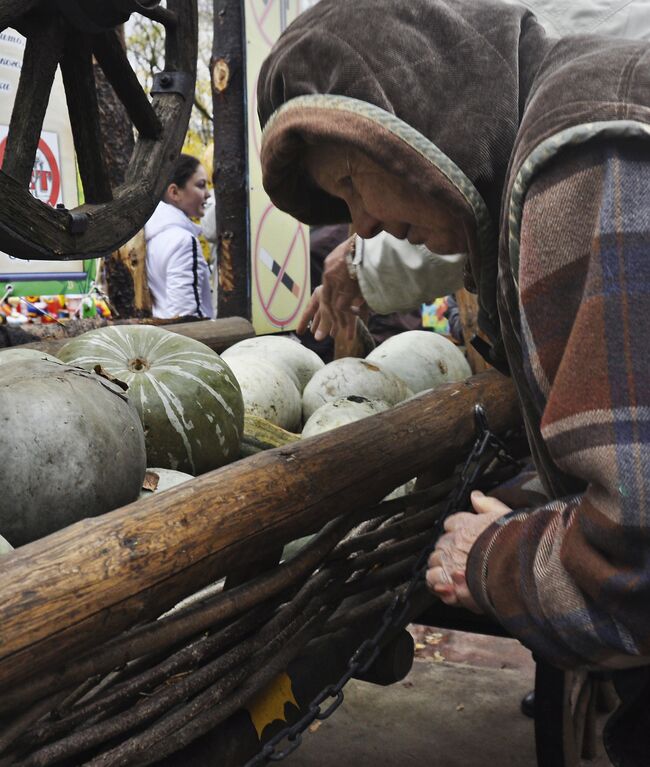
183 170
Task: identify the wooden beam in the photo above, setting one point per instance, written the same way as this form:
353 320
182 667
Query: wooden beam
217 334
231 158
81 585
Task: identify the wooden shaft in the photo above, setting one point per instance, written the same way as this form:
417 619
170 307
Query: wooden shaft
112 59
217 334
81 97
75 588
227 68
43 50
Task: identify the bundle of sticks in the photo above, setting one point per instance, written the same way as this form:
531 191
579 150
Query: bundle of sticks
99 663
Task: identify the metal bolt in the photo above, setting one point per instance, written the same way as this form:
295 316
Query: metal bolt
166 80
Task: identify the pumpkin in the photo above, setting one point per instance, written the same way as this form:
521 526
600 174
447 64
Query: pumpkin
422 359
269 392
351 376
5 546
295 359
16 354
74 448
189 401
340 412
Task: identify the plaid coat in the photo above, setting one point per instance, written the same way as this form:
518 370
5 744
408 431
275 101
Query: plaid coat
572 579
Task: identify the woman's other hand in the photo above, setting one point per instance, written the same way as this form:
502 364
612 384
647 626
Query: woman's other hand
448 562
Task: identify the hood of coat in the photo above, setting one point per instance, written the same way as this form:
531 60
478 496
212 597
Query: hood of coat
445 82
167 216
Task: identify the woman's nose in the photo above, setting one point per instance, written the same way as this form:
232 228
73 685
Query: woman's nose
365 225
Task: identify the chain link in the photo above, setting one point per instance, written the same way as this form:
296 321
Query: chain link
487 449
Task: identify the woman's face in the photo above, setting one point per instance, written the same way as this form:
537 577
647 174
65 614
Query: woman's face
380 201
191 197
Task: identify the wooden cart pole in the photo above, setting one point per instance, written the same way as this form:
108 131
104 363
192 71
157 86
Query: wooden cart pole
78 587
230 177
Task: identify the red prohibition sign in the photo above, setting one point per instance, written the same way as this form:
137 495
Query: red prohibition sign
261 18
51 161
281 322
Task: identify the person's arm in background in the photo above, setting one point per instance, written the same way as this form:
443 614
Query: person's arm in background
389 275
571 579
395 276
209 220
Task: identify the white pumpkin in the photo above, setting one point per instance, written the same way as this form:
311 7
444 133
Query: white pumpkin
74 448
188 399
422 359
165 478
16 354
340 412
5 546
351 376
295 359
268 391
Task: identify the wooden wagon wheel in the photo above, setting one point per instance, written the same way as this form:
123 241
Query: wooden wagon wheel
567 708
70 33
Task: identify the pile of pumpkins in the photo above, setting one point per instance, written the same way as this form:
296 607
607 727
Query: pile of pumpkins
290 386
84 427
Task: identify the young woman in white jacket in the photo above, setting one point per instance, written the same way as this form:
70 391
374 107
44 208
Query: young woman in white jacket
178 275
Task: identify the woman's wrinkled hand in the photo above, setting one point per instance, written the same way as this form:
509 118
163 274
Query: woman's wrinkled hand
447 564
334 305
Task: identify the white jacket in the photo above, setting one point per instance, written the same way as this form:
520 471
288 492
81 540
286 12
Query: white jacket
178 275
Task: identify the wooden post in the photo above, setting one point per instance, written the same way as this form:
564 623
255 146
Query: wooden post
468 309
77 587
227 67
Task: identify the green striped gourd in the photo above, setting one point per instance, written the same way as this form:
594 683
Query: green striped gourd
188 399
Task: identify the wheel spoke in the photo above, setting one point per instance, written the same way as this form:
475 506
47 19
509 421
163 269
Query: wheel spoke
112 58
9 12
161 15
81 95
43 50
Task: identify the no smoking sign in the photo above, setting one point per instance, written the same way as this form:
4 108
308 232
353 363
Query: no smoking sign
280 267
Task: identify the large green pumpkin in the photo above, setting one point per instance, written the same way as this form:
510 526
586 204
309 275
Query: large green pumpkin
74 448
188 399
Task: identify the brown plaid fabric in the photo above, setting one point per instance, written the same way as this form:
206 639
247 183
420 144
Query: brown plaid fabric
572 579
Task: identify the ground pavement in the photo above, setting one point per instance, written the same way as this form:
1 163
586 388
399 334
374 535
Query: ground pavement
459 707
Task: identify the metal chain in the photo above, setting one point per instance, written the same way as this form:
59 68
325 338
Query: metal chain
487 448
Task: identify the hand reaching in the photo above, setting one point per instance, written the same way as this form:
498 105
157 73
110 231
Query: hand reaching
335 304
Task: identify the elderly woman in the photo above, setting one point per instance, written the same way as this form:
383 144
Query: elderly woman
464 128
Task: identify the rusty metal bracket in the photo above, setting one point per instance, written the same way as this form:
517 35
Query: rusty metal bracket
173 82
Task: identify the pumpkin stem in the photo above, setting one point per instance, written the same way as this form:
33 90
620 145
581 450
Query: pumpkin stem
138 365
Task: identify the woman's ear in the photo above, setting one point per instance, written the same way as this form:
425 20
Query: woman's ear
172 194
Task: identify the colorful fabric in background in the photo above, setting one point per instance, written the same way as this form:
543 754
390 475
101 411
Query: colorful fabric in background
434 316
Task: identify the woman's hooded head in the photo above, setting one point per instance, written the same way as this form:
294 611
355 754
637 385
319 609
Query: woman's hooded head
430 90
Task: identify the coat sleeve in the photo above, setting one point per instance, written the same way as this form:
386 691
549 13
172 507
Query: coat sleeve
571 579
183 288
395 276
